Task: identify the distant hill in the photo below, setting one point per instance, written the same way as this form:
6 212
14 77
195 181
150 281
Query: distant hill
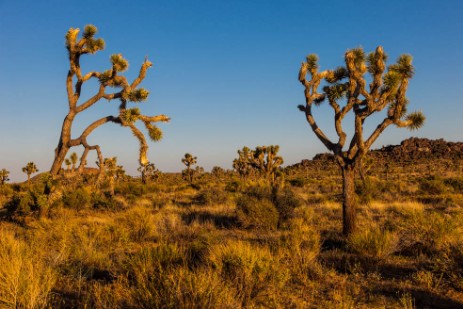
411 149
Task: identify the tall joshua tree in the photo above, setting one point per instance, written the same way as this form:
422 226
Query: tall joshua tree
129 92
266 161
189 161
4 176
30 169
346 91
243 163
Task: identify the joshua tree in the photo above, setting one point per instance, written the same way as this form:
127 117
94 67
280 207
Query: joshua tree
30 169
243 163
4 176
189 161
387 89
129 92
266 161
68 164
148 172
111 170
73 159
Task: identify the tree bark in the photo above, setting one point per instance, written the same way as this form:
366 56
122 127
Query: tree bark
348 199
63 144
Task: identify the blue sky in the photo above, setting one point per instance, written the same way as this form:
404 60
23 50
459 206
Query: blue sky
224 71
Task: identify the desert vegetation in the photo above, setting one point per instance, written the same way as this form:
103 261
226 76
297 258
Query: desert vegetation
227 242
355 228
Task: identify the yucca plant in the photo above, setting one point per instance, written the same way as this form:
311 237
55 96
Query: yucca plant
266 161
189 161
129 92
30 169
243 163
348 85
4 176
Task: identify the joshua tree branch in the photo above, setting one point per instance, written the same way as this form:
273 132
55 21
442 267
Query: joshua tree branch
92 100
143 145
141 75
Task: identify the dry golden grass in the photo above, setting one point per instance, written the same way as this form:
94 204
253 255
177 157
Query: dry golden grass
164 249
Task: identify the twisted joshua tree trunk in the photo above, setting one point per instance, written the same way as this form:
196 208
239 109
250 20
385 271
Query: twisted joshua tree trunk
387 89
129 93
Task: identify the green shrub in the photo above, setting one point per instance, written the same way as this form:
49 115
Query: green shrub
298 182
78 199
233 186
134 188
210 196
286 201
27 202
257 213
101 201
432 185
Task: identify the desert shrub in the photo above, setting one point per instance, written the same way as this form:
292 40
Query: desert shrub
301 247
140 224
23 203
286 202
26 280
233 186
261 206
210 196
374 242
455 183
183 288
297 182
253 270
432 185
198 251
427 278
434 232
257 213
134 188
101 201
78 199
6 190
149 271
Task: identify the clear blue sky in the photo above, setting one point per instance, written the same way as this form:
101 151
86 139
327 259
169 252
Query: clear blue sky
224 71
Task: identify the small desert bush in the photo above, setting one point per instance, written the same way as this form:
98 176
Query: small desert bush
134 188
267 207
455 183
257 213
78 199
373 241
182 288
102 201
23 203
300 248
140 223
433 185
26 280
211 196
427 278
253 270
297 182
286 201
6 190
431 232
